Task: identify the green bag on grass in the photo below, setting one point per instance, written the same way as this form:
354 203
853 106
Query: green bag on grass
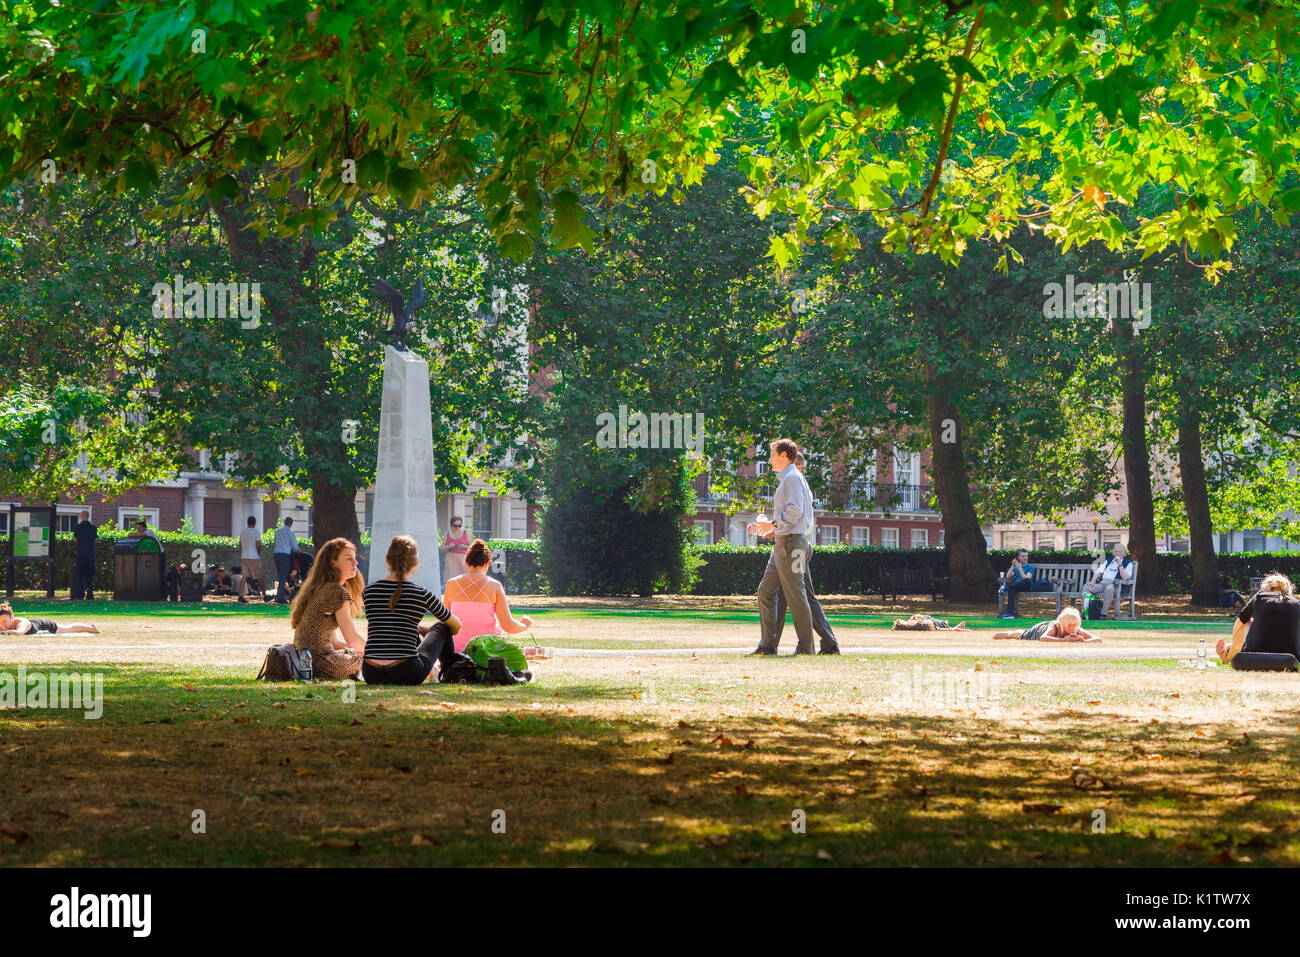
485 647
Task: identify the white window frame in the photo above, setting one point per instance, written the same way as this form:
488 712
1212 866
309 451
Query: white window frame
941 535
823 534
73 512
889 537
1051 546
127 517
920 538
704 526
865 535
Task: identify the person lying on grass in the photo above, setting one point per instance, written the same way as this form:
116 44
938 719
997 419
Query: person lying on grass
1270 622
1068 626
12 625
921 622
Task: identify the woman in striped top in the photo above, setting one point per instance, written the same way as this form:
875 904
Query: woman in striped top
399 651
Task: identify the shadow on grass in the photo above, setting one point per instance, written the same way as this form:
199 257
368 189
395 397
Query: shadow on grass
289 775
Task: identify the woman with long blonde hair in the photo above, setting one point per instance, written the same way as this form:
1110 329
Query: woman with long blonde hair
398 650
323 609
1270 622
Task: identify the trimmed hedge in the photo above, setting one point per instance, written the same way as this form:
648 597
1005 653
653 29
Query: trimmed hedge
852 570
727 569
523 574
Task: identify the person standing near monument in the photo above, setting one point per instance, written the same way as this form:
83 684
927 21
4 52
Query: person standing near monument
455 549
791 507
250 558
83 572
286 545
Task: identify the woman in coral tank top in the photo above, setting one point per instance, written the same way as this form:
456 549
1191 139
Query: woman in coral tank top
454 549
479 601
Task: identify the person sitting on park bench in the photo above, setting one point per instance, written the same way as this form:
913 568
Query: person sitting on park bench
926 623
1068 626
1107 578
12 625
322 612
1269 623
1019 577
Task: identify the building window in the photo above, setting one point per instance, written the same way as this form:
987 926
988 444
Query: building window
1045 541
4 520
1110 537
704 533
1013 540
920 538
762 468
828 534
1078 541
861 535
66 522
127 517
482 520
1180 545
1252 541
889 537
941 538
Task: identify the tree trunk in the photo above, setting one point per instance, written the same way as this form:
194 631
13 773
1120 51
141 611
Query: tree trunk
1137 475
334 513
1191 466
302 347
968 559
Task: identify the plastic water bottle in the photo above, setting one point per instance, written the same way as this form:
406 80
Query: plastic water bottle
1200 655
305 674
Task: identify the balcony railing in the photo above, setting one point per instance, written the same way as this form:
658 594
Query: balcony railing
889 497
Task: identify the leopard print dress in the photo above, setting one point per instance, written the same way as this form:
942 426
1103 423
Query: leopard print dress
314 630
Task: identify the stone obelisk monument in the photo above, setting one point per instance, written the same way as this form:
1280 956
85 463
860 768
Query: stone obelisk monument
405 502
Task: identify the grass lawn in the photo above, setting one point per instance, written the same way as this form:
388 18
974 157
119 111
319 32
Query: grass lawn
623 753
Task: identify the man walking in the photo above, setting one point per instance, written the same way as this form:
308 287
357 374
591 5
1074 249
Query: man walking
829 646
286 545
83 572
791 507
250 559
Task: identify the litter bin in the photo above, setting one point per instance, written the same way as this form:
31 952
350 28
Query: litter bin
138 569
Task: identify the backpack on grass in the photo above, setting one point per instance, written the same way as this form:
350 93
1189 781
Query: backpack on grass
281 664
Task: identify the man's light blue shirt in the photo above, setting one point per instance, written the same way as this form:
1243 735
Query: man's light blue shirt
792 504
286 542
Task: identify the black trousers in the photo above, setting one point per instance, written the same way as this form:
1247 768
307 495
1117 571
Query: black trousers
436 646
283 565
1014 589
83 579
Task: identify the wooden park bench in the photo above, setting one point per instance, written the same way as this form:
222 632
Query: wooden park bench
1068 581
912 581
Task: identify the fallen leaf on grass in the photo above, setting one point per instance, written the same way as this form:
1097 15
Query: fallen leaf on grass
449 705
15 833
1040 807
1173 694
1224 856
1098 701
355 721
422 840
304 772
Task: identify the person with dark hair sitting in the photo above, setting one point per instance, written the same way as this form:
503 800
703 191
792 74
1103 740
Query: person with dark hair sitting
398 650
480 601
218 582
1229 597
1019 577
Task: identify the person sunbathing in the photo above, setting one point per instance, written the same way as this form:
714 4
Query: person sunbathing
920 622
10 624
1269 623
1068 626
